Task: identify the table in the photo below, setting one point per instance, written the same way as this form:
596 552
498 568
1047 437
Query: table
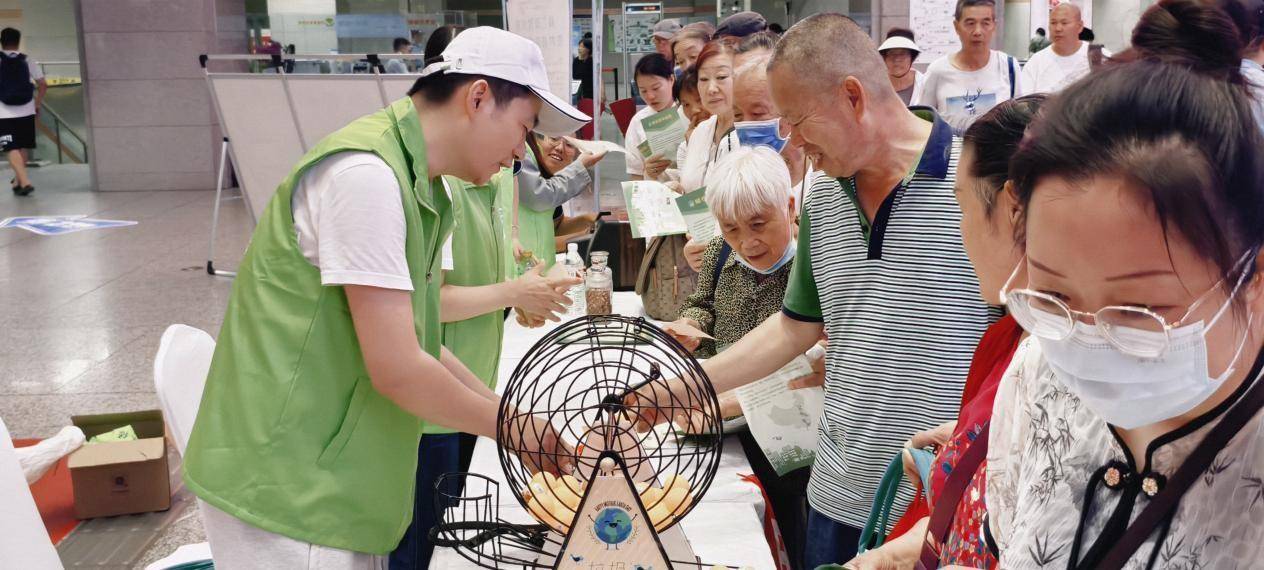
725 528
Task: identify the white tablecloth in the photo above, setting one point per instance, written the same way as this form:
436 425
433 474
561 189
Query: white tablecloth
725 528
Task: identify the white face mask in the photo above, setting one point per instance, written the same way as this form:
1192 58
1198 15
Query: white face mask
786 256
1130 391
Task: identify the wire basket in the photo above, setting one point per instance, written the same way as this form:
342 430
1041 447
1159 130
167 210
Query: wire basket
576 378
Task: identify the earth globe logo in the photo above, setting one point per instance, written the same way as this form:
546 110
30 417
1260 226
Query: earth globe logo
613 526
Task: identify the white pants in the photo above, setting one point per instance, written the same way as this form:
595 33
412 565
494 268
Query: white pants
235 544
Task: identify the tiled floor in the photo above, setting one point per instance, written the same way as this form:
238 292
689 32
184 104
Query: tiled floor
81 314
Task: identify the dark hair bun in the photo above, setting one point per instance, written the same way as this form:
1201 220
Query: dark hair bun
1197 34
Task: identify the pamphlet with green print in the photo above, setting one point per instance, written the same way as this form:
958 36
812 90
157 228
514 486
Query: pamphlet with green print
652 209
664 131
784 421
693 206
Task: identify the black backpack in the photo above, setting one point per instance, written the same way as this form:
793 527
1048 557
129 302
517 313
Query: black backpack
15 80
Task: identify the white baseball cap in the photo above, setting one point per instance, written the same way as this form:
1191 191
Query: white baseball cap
504 55
900 42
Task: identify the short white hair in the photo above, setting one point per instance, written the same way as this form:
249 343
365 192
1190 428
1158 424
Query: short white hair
747 182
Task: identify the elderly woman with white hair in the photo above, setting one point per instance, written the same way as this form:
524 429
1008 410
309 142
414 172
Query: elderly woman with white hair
745 270
741 283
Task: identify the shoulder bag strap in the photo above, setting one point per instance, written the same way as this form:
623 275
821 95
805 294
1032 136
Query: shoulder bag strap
647 263
945 507
1190 471
720 260
1011 76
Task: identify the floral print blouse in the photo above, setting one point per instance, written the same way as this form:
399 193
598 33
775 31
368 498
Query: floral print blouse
1057 475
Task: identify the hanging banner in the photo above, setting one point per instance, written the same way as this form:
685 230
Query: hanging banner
1040 14
548 24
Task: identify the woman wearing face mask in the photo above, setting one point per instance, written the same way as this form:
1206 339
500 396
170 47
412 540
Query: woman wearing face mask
655 79
712 139
988 213
742 282
1128 429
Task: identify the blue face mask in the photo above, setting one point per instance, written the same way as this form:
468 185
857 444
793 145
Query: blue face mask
755 133
786 256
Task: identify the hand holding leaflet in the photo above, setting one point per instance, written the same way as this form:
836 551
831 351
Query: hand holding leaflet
693 207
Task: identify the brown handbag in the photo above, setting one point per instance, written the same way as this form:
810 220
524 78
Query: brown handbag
665 279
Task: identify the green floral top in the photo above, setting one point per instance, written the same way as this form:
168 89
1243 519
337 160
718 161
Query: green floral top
739 302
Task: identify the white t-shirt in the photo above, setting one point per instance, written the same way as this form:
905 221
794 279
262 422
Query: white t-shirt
701 153
1048 72
15 111
960 97
349 218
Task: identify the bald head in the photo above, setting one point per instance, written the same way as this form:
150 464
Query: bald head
821 51
1067 9
1065 25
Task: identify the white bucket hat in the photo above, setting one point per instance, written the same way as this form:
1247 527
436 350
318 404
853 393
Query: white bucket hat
900 42
504 55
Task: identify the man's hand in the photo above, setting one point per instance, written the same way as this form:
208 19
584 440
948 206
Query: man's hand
655 166
657 403
590 159
690 343
693 253
539 445
817 377
540 295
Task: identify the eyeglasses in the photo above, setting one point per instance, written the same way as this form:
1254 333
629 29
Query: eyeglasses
1135 331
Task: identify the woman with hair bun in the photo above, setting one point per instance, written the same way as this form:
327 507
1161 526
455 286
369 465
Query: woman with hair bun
1127 433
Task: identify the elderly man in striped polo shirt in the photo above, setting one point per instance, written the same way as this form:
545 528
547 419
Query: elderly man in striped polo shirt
880 268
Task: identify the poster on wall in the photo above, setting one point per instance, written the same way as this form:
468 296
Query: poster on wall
633 31
1040 13
548 24
931 21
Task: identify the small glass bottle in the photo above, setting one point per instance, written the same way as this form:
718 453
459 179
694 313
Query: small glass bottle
599 285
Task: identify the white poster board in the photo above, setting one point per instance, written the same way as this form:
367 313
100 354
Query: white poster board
931 21
548 24
1040 14
272 120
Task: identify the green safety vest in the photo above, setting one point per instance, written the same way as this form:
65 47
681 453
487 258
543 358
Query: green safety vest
535 230
291 436
480 240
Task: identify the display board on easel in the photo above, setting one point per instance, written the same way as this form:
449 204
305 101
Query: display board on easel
272 120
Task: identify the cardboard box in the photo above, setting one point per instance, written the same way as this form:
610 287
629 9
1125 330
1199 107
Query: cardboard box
123 477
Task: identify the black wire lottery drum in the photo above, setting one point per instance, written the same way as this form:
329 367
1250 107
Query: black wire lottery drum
577 379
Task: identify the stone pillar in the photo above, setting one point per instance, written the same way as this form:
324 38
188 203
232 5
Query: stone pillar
150 116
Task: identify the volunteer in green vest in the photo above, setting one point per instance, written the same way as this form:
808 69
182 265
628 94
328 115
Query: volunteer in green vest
304 453
477 288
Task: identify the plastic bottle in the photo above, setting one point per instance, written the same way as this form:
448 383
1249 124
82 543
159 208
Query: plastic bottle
599 285
575 268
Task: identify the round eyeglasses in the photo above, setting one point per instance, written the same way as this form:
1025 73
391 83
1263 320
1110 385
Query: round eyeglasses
1135 331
